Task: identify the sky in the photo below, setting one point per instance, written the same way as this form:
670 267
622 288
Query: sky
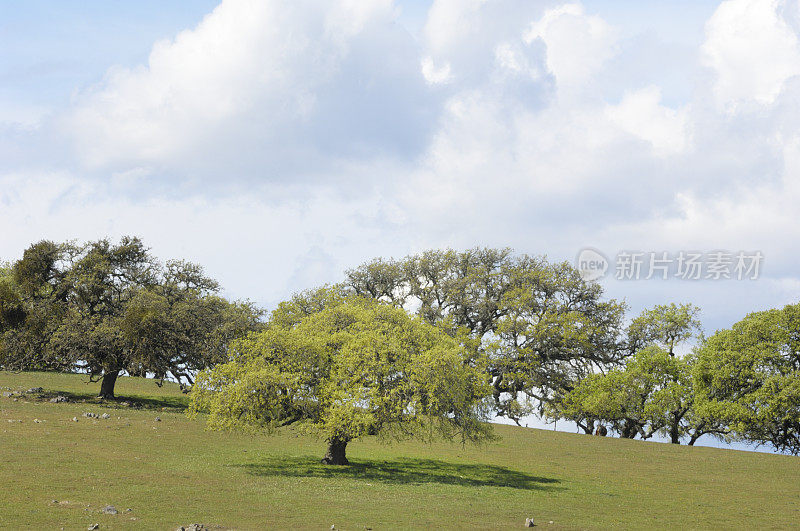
279 143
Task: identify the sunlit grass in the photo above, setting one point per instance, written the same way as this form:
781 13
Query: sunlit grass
172 472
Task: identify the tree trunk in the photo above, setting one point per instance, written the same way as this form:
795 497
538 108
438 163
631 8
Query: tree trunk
336 452
107 385
630 429
674 433
698 432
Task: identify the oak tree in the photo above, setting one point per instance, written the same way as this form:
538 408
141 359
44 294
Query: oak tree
541 326
749 375
354 367
104 308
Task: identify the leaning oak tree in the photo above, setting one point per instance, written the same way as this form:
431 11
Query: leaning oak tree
356 367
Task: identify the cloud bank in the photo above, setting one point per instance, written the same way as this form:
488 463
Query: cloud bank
280 142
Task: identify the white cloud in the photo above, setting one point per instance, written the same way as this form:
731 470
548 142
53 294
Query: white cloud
641 114
322 134
452 22
435 75
752 49
577 44
264 87
257 247
465 36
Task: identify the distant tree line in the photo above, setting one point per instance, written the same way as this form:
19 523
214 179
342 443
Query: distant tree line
431 344
552 345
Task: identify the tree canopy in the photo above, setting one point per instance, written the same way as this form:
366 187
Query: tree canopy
352 368
433 343
540 325
104 308
749 375
665 325
653 392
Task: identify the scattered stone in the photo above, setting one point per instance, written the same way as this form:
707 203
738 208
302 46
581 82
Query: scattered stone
125 404
110 509
59 399
7 394
550 522
529 522
105 416
74 419
34 390
37 421
54 502
192 527
158 419
128 510
93 527
89 415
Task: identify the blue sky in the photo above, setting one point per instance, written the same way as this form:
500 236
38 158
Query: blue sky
279 143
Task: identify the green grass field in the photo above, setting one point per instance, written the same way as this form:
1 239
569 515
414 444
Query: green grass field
57 473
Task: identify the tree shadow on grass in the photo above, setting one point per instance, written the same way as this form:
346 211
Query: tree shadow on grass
403 471
169 403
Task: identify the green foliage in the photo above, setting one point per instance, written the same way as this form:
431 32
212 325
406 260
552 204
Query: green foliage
665 325
540 325
106 308
34 290
749 375
654 391
12 312
652 394
353 368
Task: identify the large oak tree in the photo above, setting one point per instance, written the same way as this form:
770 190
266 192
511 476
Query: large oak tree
105 308
541 326
345 367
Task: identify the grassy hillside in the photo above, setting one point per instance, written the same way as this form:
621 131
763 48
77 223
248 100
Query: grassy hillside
60 473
